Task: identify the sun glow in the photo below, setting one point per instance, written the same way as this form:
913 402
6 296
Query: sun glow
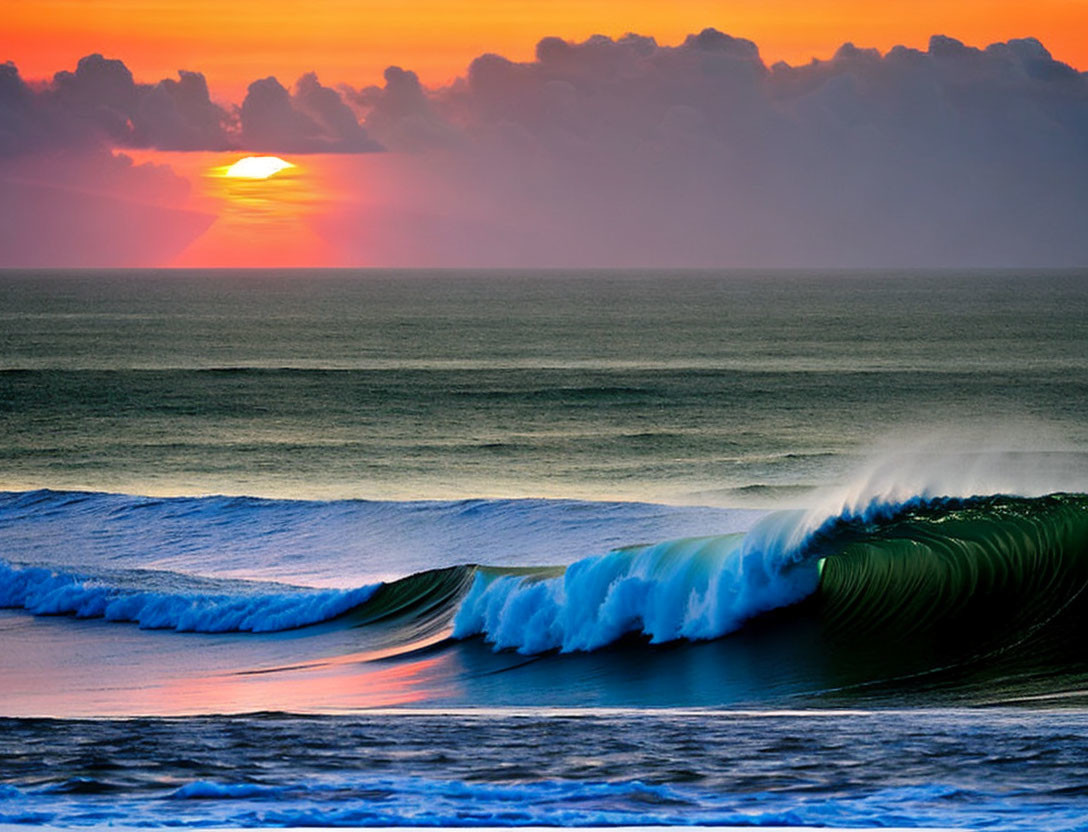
298 217
257 167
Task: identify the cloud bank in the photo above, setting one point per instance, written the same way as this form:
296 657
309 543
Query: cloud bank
624 152
100 102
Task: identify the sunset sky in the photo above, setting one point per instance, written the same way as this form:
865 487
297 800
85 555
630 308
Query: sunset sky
352 41
673 148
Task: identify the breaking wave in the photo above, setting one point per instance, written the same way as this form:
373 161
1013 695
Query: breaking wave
989 566
44 591
981 573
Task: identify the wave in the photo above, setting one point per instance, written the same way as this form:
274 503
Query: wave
43 591
986 570
412 801
336 543
694 589
962 579
883 587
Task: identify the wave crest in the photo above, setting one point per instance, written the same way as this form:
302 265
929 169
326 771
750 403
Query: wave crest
696 589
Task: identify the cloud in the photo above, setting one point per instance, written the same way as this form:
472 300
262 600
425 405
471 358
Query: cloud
626 152
314 119
101 98
99 104
51 226
26 124
180 115
92 208
402 112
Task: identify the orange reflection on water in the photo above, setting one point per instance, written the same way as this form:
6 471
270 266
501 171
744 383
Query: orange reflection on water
103 669
324 687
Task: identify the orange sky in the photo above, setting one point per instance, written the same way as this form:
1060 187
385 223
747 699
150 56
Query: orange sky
351 41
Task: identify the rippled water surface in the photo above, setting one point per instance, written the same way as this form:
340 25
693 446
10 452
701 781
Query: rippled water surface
995 769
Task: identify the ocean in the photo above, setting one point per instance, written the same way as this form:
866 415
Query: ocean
313 548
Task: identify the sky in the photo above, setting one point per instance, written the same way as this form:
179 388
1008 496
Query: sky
783 133
353 41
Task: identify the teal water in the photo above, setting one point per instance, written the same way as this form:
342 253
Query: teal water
692 387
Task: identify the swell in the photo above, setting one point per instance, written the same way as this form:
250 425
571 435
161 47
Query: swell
876 592
327 542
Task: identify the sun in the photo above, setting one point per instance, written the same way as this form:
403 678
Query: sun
257 167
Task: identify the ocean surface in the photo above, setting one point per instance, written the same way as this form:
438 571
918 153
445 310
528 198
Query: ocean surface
416 548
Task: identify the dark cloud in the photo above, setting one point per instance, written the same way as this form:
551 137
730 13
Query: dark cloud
269 118
402 112
627 152
101 97
29 123
314 119
100 104
180 115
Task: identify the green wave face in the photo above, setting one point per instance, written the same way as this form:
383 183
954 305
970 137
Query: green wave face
965 594
418 610
422 596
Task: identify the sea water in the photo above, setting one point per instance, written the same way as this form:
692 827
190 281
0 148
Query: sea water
509 548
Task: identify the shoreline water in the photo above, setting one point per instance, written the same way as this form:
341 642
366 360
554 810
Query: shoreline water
613 769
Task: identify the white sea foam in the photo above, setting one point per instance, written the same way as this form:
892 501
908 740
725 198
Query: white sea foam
47 592
696 589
